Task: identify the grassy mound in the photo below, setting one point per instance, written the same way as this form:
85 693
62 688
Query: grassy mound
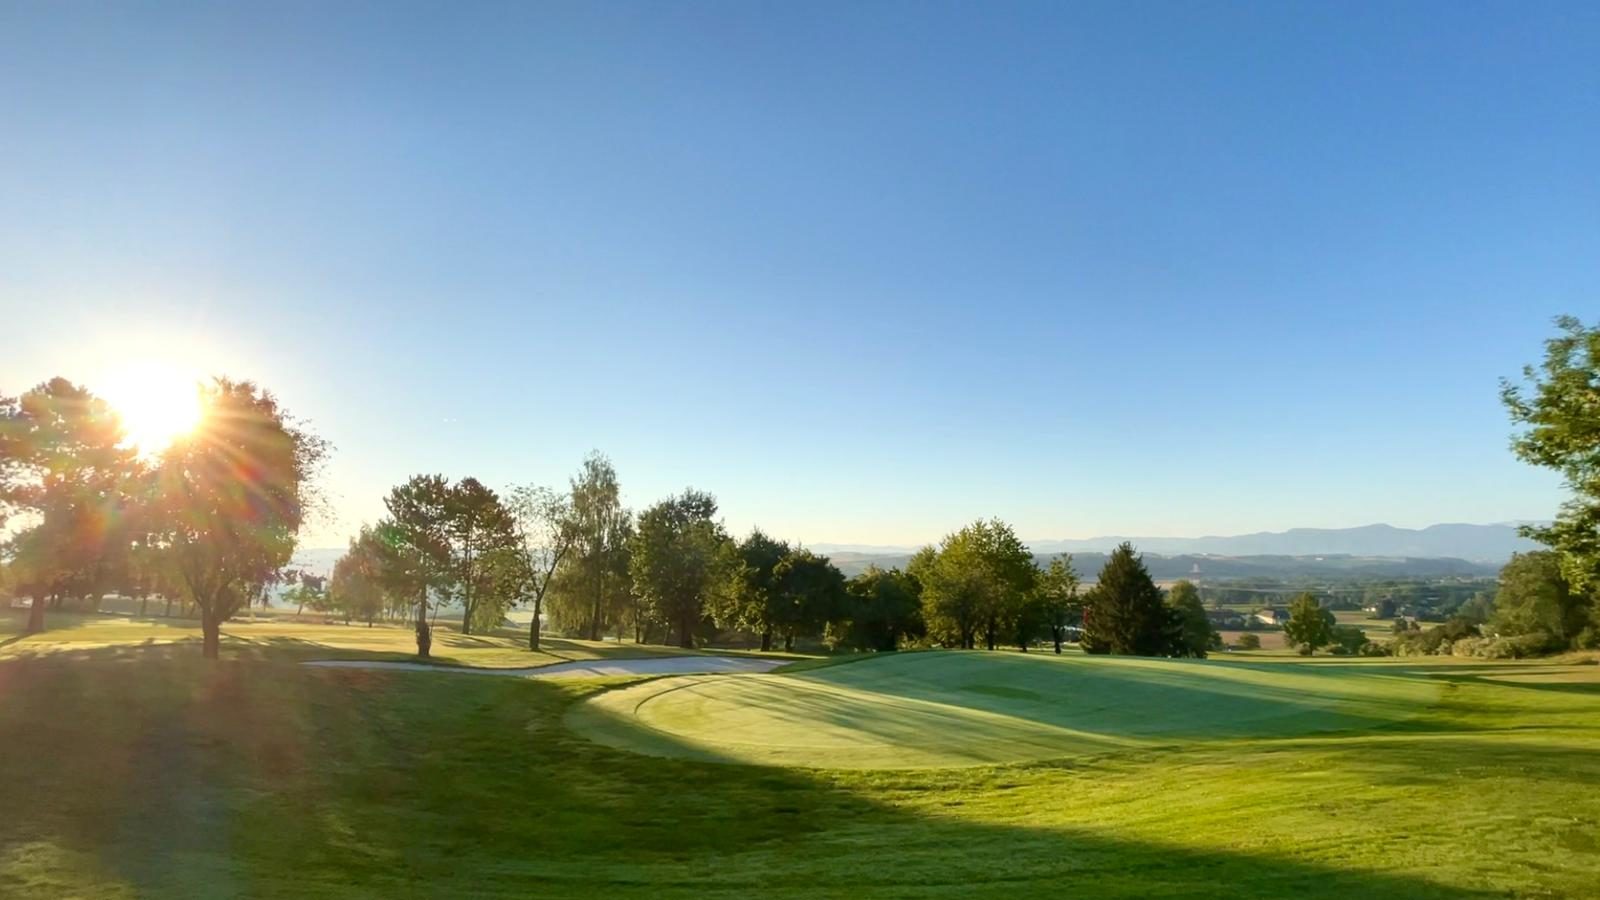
952 709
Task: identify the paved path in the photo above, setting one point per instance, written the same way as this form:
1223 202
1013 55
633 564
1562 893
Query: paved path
584 668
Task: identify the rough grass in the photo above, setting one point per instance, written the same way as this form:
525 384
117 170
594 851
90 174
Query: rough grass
141 770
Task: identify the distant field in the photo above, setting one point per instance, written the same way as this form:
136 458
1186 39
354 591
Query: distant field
136 769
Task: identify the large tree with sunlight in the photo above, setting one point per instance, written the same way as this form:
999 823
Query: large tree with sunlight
231 497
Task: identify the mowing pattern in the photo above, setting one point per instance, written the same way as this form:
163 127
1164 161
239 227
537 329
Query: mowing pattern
919 710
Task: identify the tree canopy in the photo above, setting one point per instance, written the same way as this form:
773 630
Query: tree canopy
230 500
1124 612
1559 409
679 556
1310 625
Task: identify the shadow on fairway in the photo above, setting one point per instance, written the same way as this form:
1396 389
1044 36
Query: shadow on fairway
150 769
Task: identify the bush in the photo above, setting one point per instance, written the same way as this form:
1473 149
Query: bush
1249 642
1515 647
1371 648
1347 639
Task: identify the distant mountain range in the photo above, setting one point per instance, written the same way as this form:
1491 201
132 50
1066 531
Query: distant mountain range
1330 567
1370 551
1476 543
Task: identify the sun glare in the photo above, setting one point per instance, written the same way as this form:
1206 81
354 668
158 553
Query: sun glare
157 403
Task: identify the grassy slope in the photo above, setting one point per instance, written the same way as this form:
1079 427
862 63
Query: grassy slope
948 709
141 770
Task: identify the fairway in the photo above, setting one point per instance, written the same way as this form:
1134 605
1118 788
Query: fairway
918 710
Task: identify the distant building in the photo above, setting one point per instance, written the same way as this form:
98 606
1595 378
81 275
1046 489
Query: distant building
1224 618
1277 615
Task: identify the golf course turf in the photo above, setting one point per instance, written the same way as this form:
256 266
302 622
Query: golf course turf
950 709
140 770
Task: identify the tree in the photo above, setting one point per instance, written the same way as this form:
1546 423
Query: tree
751 602
809 592
1347 640
1563 434
416 541
1124 612
1477 609
885 607
1249 642
1535 597
1190 633
63 466
485 557
978 581
356 587
950 595
1059 604
678 557
546 531
232 496
598 554
308 590
1310 625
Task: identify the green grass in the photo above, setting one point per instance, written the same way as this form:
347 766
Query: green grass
951 709
141 770
500 648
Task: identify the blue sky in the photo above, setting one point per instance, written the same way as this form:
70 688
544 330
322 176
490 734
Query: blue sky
866 271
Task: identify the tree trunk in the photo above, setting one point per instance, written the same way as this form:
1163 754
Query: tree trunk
766 640
211 635
167 614
686 633
788 642
424 633
144 601
1056 632
36 615
533 627
599 597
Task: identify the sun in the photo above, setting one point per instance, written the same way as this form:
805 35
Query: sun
157 403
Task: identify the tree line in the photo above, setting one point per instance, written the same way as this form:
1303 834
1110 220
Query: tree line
213 520
672 573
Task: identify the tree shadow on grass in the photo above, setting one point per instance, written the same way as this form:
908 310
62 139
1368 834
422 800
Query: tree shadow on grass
256 776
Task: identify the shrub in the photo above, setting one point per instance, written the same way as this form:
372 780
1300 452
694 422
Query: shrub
1513 647
1372 648
1348 639
1249 642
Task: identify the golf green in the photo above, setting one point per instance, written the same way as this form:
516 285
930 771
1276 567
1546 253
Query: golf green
917 710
